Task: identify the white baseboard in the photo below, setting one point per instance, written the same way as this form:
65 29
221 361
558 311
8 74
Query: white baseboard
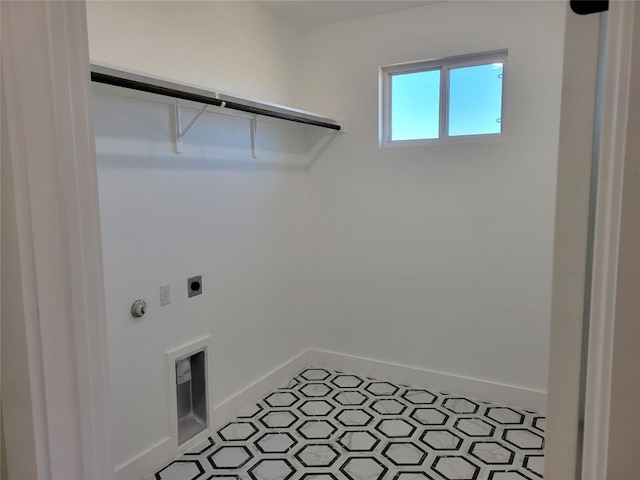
141 466
149 461
163 452
229 408
510 395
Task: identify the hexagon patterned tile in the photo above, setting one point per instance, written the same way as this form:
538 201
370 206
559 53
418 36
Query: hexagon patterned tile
326 425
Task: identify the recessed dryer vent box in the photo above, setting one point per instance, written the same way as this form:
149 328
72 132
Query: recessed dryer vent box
191 393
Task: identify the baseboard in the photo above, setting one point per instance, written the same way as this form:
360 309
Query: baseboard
141 466
510 395
149 461
229 408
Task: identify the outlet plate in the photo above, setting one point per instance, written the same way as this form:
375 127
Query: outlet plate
194 286
165 294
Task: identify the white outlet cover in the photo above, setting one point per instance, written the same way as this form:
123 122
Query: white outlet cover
165 294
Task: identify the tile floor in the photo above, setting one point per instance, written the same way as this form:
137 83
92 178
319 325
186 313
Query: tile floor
326 425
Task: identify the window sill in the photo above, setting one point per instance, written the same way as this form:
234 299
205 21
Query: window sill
458 140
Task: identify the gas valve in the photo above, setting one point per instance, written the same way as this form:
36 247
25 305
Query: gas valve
139 308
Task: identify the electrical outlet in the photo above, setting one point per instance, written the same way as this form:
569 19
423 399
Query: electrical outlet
165 294
194 286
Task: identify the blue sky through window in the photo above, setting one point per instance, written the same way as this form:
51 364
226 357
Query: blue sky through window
475 102
415 103
475 99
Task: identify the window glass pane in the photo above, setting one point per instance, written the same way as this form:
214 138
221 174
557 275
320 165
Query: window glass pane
415 102
475 99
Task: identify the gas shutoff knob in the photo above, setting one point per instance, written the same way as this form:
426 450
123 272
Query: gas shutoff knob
139 308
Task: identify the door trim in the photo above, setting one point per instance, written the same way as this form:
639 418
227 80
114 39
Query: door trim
45 73
607 235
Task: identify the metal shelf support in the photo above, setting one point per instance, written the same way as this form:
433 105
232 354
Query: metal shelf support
253 128
180 132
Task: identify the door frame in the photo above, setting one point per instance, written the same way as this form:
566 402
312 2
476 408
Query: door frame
55 183
46 81
617 150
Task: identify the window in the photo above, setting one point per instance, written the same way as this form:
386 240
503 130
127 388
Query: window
436 100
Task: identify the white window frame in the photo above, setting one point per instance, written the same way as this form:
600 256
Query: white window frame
444 65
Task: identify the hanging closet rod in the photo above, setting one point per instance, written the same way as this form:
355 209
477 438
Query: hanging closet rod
173 90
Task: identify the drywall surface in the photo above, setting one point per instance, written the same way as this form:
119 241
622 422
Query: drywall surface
437 257
238 47
210 211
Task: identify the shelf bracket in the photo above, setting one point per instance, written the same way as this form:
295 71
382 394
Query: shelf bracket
253 127
180 132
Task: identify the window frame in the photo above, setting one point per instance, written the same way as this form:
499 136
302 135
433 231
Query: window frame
444 65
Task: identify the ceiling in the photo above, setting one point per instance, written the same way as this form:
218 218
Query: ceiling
311 13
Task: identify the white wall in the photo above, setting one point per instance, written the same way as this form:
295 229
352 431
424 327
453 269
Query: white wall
239 47
437 257
166 217
242 224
